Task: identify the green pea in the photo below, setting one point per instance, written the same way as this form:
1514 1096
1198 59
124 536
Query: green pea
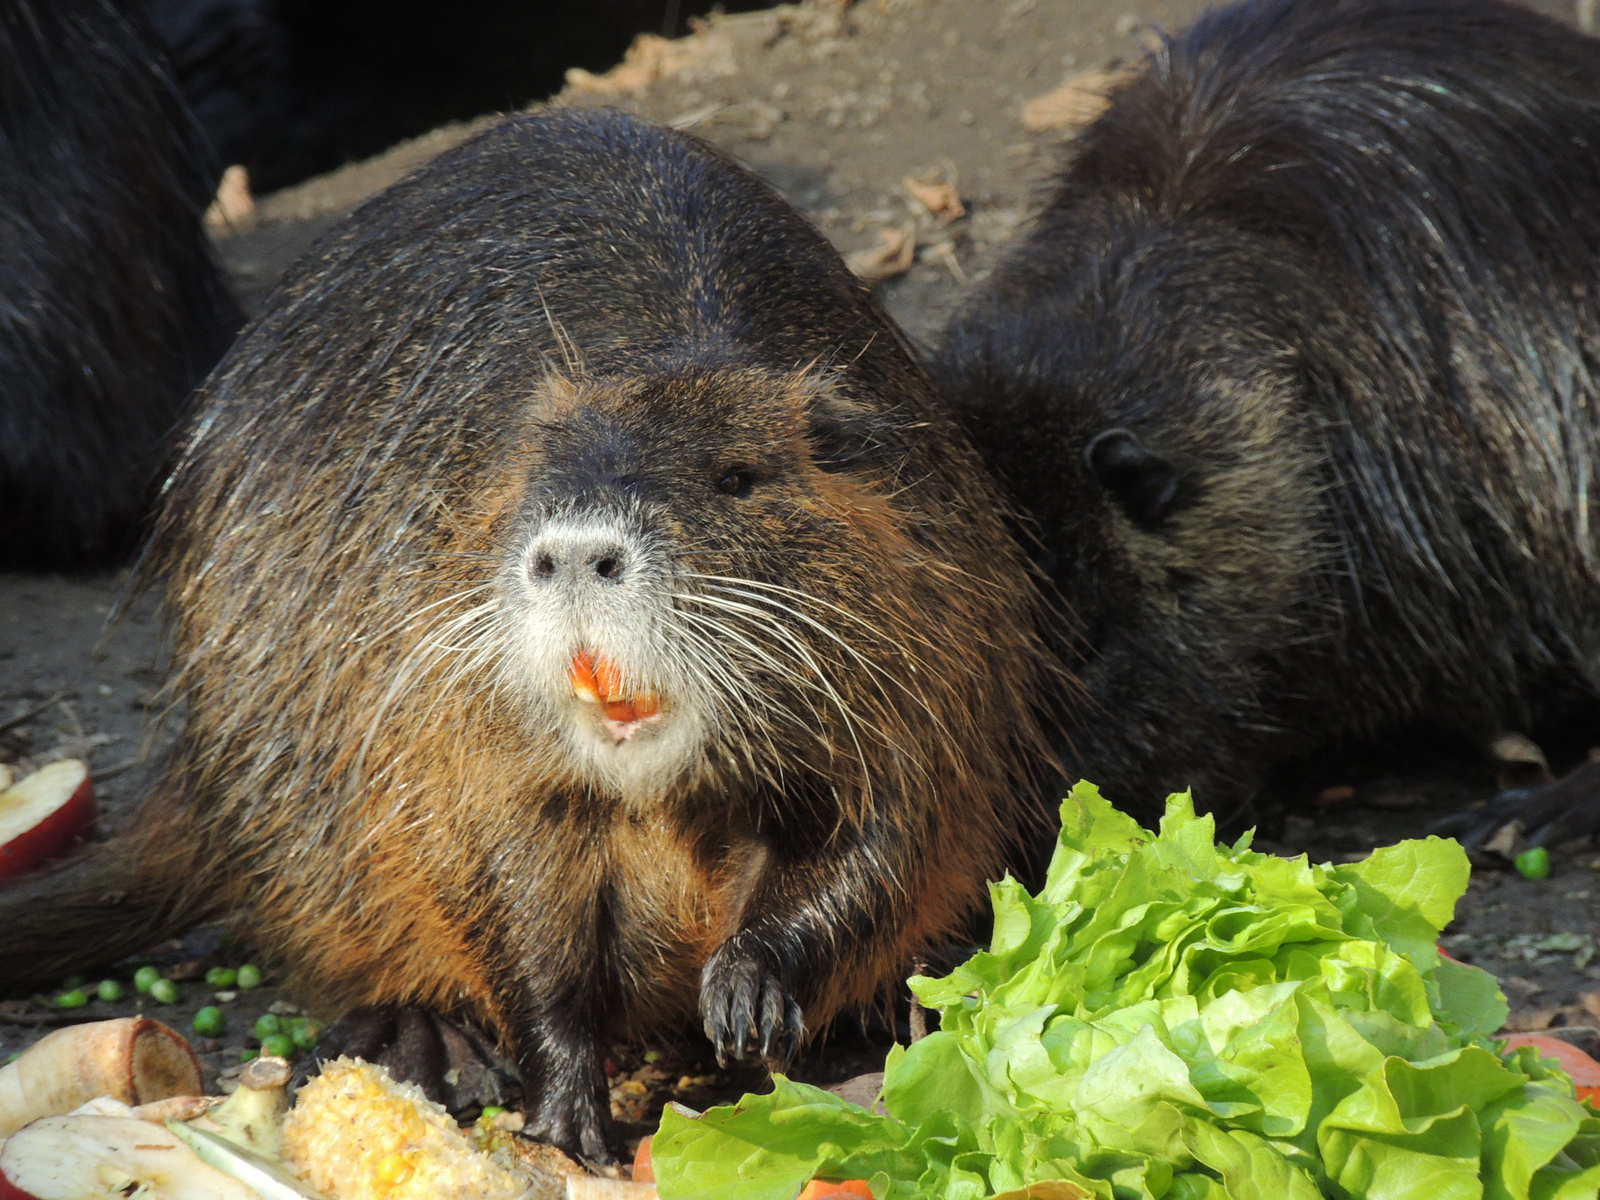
267 1024
109 990
652 1056
249 976
222 977
10 1058
209 1021
247 1055
304 1031
73 982
491 1111
1535 863
279 1045
164 991
76 998
145 978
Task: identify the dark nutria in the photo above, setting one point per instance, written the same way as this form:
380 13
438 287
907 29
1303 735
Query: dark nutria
585 617
111 305
1296 376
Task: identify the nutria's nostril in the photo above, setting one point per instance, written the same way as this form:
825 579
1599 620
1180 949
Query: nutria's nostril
544 566
609 568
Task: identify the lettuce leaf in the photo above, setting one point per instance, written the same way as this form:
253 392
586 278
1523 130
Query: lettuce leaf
1171 1018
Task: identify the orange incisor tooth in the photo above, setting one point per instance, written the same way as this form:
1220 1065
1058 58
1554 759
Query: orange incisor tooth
636 709
599 681
581 672
609 681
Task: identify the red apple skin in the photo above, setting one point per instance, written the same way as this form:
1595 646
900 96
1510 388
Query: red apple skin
9 1191
54 835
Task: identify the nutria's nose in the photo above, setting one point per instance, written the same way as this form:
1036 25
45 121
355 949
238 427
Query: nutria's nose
558 557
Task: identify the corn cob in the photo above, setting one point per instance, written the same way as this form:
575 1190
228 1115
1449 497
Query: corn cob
356 1134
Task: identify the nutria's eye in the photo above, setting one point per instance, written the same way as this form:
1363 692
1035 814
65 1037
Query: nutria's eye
734 483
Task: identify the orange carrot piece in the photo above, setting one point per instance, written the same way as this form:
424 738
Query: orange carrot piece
643 1172
1584 1070
829 1189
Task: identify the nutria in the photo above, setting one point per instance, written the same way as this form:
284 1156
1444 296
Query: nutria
111 305
586 617
1297 377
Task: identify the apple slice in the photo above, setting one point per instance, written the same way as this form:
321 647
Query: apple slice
43 814
108 1158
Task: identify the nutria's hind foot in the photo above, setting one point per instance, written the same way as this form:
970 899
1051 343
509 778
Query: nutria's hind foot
1549 814
747 1009
572 1120
457 1067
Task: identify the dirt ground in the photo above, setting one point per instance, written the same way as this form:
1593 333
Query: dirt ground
837 106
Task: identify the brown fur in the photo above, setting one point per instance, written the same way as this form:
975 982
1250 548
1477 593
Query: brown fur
368 768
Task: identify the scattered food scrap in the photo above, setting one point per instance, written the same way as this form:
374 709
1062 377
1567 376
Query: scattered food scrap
234 207
705 54
1077 101
893 257
939 196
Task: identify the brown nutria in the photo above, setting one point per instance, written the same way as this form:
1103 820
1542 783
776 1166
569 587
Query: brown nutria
1297 376
585 616
111 305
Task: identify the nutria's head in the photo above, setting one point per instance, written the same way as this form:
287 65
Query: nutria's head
700 565
1143 391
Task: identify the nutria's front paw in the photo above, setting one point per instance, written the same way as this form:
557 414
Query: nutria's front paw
455 1066
747 1009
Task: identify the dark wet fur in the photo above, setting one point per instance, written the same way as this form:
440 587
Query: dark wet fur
111 306
1333 268
576 308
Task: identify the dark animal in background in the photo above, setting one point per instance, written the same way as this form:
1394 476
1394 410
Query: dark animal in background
111 306
292 88
580 399
234 61
1297 376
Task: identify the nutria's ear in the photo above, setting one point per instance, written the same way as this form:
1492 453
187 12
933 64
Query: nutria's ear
846 435
1143 482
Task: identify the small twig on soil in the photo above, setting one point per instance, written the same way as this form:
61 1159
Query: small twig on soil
48 1019
23 718
11 1014
75 725
115 769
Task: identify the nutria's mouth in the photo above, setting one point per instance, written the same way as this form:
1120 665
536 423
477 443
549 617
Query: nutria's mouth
597 681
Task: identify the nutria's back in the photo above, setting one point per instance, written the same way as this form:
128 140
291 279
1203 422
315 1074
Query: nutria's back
1297 374
586 614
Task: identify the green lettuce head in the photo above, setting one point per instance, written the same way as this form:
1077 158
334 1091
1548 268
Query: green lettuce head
1170 1018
